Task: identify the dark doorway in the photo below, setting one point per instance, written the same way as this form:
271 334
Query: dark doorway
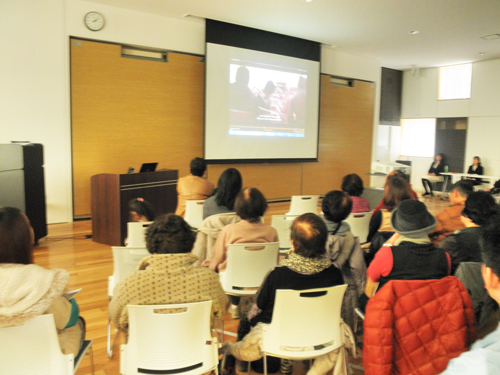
451 136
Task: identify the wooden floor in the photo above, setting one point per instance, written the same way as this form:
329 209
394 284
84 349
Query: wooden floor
68 246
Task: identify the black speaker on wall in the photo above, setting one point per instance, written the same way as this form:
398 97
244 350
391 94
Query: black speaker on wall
390 96
22 182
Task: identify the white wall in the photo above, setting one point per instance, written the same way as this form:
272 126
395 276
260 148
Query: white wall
419 100
35 89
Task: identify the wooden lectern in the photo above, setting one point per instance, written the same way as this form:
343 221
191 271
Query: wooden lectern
112 192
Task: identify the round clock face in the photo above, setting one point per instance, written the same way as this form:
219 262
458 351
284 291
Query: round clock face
94 21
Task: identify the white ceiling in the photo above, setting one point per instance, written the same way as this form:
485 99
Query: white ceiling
449 30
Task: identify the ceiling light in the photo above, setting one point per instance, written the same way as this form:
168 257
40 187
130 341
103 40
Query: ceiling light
413 32
307 1
482 53
490 37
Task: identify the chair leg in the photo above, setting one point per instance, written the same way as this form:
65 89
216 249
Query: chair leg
265 364
111 345
249 367
91 360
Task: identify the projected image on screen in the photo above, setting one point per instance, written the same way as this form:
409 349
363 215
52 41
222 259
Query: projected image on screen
266 100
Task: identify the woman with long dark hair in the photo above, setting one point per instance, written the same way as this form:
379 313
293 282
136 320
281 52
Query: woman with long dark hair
228 187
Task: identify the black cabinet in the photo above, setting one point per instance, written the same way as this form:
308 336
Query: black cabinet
22 183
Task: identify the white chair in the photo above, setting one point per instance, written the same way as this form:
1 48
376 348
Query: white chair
125 261
282 224
302 204
194 213
33 348
247 265
136 233
306 324
169 339
360 224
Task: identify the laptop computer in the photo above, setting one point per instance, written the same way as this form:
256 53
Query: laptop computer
148 167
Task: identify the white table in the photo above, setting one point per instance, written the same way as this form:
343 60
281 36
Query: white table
457 176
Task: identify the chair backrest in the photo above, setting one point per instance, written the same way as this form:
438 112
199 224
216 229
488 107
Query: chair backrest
247 265
125 261
305 323
282 224
194 213
33 348
169 339
469 273
360 224
136 233
302 204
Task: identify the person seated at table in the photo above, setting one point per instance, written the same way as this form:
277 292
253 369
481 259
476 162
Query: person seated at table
167 276
409 254
194 186
228 187
352 184
450 219
483 357
306 267
396 190
396 173
479 209
475 168
28 290
434 174
250 205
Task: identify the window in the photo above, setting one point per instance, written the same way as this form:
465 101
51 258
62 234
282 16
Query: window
418 137
455 82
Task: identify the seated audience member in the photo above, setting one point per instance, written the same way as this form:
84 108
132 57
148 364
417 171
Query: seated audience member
306 267
352 184
396 190
475 168
409 253
344 250
28 290
336 206
397 173
463 246
140 210
228 187
167 276
495 190
449 220
194 186
250 206
484 356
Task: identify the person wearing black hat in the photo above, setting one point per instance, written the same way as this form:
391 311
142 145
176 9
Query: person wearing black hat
409 254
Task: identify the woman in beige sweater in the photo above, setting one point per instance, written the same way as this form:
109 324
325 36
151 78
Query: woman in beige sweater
28 290
168 275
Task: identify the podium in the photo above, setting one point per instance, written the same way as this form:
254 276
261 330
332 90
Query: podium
112 192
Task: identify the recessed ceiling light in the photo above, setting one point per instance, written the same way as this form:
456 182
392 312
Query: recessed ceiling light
306 1
482 53
413 32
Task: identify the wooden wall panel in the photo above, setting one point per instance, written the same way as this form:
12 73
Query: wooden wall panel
345 141
129 111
